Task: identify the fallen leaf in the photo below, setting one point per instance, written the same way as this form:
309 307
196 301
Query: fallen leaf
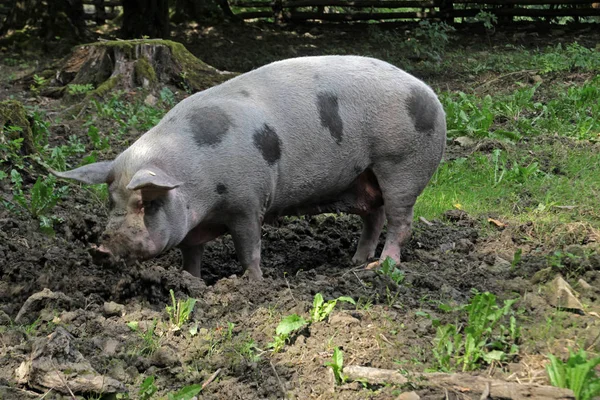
499 224
372 265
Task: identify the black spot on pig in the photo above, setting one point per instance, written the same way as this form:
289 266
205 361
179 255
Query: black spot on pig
245 93
209 125
329 112
423 110
221 189
268 143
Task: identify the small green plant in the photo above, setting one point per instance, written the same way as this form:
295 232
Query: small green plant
167 96
179 311
39 82
488 19
289 324
321 309
577 374
147 389
78 89
483 338
521 174
186 393
337 366
430 40
99 142
32 328
248 350
43 197
388 268
10 150
151 341
516 259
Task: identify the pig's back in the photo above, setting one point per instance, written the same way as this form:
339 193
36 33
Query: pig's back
316 122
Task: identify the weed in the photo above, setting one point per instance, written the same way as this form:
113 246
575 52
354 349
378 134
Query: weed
43 197
322 309
364 304
99 143
39 82
488 19
10 150
337 366
431 40
388 268
516 259
577 374
289 324
179 311
248 350
31 329
478 340
147 389
186 393
167 96
151 341
75 89
59 155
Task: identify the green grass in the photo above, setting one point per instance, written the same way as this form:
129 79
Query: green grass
542 164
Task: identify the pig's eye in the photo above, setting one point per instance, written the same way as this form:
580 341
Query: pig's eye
150 207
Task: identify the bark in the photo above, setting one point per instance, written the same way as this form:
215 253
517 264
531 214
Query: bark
494 388
145 18
128 64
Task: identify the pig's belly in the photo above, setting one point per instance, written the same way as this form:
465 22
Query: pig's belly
361 197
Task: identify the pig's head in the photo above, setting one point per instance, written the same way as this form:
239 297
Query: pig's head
147 210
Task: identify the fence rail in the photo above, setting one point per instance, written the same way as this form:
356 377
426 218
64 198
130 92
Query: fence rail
99 11
380 10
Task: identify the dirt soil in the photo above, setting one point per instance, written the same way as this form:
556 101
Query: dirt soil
234 319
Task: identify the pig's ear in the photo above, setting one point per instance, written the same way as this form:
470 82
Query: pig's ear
91 173
152 180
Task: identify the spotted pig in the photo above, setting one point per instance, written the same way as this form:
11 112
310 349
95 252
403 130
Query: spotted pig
305 135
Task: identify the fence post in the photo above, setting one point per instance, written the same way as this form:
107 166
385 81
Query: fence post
277 6
100 12
446 11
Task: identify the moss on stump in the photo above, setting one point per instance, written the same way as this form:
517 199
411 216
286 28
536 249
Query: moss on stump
127 64
14 124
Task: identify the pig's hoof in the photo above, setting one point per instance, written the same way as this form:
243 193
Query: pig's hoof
253 275
100 255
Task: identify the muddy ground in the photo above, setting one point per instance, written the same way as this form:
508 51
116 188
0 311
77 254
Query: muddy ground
88 306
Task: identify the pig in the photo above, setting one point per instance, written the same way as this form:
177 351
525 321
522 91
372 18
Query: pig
306 135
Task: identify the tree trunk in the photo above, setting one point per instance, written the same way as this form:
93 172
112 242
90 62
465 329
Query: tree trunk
55 19
145 18
129 64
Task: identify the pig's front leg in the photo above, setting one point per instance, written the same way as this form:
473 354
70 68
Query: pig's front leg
246 233
192 259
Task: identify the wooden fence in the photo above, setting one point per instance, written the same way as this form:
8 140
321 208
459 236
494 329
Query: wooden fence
441 10
99 11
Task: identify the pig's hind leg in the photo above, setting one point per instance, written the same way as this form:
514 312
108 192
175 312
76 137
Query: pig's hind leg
246 234
401 183
372 226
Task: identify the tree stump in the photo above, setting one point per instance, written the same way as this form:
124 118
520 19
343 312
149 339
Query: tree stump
14 124
127 64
